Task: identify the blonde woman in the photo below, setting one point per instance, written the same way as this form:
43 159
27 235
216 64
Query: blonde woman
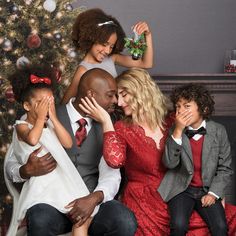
137 143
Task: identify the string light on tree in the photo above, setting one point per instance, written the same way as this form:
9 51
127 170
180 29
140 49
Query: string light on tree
28 2
65 47
57 36
68 6
32 21
72 53
7 45
59 15
11 111
48 35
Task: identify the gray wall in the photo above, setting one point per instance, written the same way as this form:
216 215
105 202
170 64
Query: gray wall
190 36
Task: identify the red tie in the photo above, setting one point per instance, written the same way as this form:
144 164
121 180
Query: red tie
81 132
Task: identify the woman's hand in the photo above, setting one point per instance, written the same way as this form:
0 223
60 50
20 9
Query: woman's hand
92 109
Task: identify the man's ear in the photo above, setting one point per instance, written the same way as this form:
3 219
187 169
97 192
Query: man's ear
26 106
90 93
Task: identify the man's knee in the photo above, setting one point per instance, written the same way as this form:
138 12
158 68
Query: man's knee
43 219
117 218
38 216
128 222
123 217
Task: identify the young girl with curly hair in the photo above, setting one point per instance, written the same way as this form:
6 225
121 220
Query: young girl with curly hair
40 132
100 38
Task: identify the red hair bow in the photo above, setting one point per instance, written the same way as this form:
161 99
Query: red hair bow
35 80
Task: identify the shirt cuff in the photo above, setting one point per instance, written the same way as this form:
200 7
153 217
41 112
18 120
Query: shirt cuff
105 194
15 175
217 197
177 140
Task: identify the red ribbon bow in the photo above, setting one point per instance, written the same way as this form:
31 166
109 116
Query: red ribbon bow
35 80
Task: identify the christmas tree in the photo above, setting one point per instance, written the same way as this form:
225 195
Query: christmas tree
32 31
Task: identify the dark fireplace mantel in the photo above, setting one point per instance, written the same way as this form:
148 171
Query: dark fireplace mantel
222 87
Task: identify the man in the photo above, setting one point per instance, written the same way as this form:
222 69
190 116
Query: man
113 218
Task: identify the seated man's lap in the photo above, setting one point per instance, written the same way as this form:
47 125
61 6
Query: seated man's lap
43 219
113 216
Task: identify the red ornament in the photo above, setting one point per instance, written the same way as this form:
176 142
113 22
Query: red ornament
229 68
33 41
9 95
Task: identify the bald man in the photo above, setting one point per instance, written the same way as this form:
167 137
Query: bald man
113 218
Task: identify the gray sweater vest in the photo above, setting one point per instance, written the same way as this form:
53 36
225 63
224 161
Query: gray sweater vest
86 158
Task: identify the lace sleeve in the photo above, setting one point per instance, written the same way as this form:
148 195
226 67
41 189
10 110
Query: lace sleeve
114 149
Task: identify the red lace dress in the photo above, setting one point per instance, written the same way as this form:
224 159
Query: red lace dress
129 147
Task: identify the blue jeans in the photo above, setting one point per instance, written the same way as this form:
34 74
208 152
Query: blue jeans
112 219
182 206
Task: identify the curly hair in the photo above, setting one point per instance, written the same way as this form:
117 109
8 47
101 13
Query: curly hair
197 93
147 102
86 30
22 86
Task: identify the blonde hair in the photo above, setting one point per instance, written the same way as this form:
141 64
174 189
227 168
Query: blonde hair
148 103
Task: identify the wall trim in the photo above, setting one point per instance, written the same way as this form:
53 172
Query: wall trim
222 87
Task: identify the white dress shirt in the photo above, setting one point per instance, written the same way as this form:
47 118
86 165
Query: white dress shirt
195 137
109 178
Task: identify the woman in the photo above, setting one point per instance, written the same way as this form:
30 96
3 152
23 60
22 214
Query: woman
137 143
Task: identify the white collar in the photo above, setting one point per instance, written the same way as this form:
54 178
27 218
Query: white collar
74 115
203 124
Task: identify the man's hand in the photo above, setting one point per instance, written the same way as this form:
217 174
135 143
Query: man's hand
36 166
82 208
208 200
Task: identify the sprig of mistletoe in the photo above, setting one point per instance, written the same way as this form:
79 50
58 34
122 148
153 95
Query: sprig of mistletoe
136 46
